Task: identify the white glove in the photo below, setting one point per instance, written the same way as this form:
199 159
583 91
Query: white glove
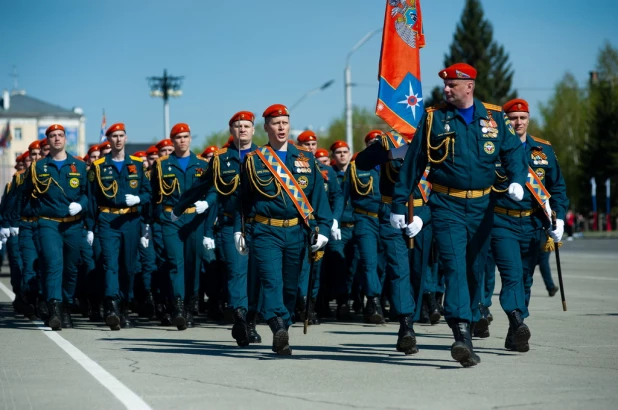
399 153
5 233
321 242
14 231
398 221
3 241
201 206
144 241
74 208
415 227
239 242
558 232
548 210
173 217
335 232
516 192
209 243
90 237
131 199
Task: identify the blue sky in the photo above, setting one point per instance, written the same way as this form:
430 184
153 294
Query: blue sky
245 55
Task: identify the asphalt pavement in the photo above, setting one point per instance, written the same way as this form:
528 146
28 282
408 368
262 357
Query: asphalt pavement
571 364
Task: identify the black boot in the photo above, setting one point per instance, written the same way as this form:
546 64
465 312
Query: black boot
406 341
481 328
239 330
490 317
424 316
439 300
189 313
125 321
373 311
42 310
462 350
254 336
313 316
553 291
65 316
179 318
518 335
112 313
343 311
96 314
148 308
281 338
54 307
432 308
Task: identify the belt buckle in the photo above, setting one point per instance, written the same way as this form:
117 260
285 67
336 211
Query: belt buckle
468 194
286 223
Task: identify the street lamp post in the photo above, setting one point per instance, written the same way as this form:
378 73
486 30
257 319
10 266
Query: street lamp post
311 92
348 87
165 87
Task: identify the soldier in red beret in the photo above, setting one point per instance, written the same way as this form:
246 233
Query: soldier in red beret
209 152
461 139
165 147
44 147
35 150
105 148
321 155
152 154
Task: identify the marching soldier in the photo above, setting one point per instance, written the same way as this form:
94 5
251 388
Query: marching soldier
281 187
220 184
461 140
118 187
183 235
405 290
520 226
59 184
209 152
152 154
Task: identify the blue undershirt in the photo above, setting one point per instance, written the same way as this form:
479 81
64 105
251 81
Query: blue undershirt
59 164
467 113
244 152
184 162
118 165
282 155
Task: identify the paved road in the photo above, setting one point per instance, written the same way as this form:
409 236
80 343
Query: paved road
571 365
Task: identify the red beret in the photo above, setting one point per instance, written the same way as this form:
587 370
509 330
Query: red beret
141 154
276 110
458 71
339 144
44 142
93 149
372 134
152 150
86 158
210 150
105 145
115 127
354 156
35 145
516 105
242 116
164 143
333 162
321 152
307 136
178 128
25 155
53 127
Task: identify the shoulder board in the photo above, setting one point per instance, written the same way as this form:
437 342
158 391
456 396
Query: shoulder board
79 159
302 148
540 140
436 107
202 158
138 159
20 172
99 161
492 107
163 158
221 151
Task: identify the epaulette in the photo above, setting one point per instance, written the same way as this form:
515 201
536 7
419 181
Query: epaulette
492 107
99 161
436 107
221 151
79 159
202 158
138 159
540 140
302 148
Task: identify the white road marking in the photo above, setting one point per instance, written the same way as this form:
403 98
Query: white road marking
129 399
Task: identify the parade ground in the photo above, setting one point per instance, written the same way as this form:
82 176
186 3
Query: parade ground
572 362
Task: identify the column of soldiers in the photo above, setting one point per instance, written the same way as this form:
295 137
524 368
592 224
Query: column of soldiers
401 231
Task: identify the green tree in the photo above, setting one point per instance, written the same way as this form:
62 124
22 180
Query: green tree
565 119
363 120
473 43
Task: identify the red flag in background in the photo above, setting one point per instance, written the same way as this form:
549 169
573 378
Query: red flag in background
400 97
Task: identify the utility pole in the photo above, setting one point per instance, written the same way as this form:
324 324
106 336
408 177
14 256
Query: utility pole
165 87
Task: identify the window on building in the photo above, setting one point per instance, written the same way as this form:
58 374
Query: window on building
17 134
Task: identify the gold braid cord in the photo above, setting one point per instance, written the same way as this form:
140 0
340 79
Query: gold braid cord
317 256
389 172
165 189
358 185
41 187
444 143
104 190
221 186
500 179
256 181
